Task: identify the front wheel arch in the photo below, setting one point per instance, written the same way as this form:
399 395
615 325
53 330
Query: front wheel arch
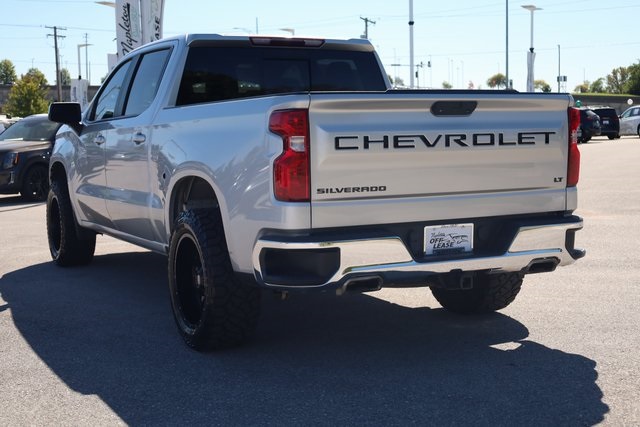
67 245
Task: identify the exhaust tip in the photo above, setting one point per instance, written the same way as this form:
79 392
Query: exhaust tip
544 265
362 284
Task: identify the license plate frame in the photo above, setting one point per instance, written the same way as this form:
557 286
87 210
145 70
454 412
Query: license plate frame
448 239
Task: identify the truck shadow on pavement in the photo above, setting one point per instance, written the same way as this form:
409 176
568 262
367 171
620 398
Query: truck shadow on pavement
107 329
16 203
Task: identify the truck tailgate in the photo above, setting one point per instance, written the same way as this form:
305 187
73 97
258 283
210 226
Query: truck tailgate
418 156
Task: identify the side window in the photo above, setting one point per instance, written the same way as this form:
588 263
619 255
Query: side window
211 74
106 104
146 82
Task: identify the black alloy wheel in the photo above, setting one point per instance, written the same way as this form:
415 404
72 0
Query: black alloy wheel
35 186
212 307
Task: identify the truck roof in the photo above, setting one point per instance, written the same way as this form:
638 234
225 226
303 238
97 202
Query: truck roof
276 41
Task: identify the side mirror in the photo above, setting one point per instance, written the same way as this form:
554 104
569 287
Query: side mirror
68 113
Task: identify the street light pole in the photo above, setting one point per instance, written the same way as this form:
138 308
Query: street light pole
86 55
507 86
411 44
79 64
558 68
531 56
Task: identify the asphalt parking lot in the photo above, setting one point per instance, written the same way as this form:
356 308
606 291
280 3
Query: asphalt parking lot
97 345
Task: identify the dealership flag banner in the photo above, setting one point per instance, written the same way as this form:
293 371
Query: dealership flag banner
151 18
128 26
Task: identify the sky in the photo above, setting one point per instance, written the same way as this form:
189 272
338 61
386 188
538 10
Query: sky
464 41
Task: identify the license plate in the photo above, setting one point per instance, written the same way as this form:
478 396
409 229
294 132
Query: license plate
448 239
605 122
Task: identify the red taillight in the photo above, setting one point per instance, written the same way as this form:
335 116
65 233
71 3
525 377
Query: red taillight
291 168
573 166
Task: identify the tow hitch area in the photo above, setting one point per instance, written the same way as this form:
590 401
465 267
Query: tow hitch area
456 280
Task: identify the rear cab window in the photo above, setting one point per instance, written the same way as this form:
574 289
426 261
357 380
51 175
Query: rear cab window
217 73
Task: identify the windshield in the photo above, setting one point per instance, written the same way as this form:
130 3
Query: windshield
40 129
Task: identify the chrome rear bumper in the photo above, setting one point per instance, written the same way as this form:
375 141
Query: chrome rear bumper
534 249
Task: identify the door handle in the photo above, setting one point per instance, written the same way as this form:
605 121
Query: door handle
99 139
139 138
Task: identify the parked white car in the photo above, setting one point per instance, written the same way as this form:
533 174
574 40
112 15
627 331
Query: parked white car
6 121
630 121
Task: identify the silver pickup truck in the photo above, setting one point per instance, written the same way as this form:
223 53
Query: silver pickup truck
290 164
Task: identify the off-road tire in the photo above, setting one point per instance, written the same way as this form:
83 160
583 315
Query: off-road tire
490 292
212 308
35 184
66 246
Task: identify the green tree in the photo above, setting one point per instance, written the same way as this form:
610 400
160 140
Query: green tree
497 80
597 86
28 95
37 77
7 72
582 88
398 82
542 85
446 85
65 77
633 83
617 80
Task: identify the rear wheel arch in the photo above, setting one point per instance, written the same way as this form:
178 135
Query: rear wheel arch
190 192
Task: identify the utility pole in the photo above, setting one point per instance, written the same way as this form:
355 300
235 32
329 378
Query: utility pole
367 21
55 44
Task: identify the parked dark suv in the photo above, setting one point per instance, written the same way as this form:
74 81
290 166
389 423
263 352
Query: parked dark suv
25 148
609 121
589 125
